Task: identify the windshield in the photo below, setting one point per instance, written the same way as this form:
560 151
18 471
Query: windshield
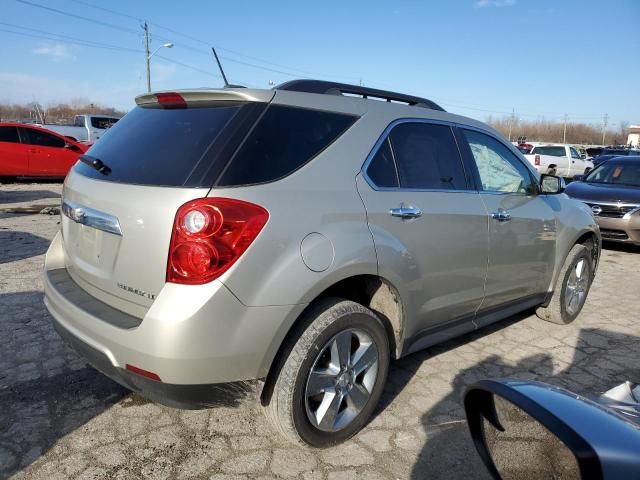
616 173
553 151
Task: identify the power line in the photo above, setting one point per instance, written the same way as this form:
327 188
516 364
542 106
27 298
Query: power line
49 36
69 40
79 17
282 72
84 42
208 45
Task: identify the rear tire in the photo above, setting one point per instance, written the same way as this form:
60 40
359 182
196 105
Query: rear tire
551 171
348 395
572 287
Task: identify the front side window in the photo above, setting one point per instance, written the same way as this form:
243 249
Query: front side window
427 157
43 139
382 169
9 135
575 154
499 169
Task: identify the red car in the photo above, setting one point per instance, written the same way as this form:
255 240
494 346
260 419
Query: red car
29 151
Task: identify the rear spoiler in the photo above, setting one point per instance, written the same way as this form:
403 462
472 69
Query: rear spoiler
184 98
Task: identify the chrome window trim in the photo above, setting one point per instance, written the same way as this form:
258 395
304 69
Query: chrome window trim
91 217
385 135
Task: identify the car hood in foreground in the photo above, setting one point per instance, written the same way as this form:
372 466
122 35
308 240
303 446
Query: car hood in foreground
604 192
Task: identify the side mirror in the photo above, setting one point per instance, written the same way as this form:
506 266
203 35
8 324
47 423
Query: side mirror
71 147
551 184
532 430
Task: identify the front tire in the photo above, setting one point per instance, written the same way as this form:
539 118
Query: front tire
572 287
333 377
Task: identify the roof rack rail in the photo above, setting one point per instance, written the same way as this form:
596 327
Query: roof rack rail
334 88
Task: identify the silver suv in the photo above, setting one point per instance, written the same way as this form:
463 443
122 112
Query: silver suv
293 241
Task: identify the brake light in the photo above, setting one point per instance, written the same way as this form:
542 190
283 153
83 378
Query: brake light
209 235
171 100
537 160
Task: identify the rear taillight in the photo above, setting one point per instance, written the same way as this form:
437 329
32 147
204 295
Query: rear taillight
537 160
209 235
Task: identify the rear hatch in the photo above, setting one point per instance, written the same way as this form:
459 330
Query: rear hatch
120 202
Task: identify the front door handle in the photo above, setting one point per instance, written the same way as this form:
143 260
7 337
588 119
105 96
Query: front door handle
406 212
501 215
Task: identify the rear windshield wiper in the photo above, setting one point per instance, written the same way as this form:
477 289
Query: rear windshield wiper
95 163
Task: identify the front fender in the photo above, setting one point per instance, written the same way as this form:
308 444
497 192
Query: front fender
574 222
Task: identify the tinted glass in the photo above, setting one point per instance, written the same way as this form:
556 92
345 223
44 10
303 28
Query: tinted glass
499 169
154 146
9 134
43 139
427 157
623 173
103 122
284 140
382 170
553 151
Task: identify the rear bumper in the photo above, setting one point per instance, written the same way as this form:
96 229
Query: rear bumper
193 335
171 395
623 230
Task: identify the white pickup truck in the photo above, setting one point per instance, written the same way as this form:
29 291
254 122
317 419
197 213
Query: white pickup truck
558 159
86 128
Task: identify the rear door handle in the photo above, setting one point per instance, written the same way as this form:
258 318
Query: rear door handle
34 150
406 212
501 215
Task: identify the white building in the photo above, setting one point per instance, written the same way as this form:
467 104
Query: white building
634 136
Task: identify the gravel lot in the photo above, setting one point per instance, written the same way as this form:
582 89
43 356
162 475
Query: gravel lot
62 419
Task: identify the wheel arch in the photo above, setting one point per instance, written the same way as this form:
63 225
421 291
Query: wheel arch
582 237
372 291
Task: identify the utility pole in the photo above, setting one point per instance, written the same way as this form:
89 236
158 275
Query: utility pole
605 121
147 56
564 133
511 119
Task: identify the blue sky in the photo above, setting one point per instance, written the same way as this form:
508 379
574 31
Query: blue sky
543 58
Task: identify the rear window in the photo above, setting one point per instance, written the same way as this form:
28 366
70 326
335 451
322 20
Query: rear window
103 122
285 139
155 146
552 151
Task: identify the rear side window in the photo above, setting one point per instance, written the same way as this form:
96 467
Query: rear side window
164 147
552 151
427 157
9 135
43 139
382 169
285 139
